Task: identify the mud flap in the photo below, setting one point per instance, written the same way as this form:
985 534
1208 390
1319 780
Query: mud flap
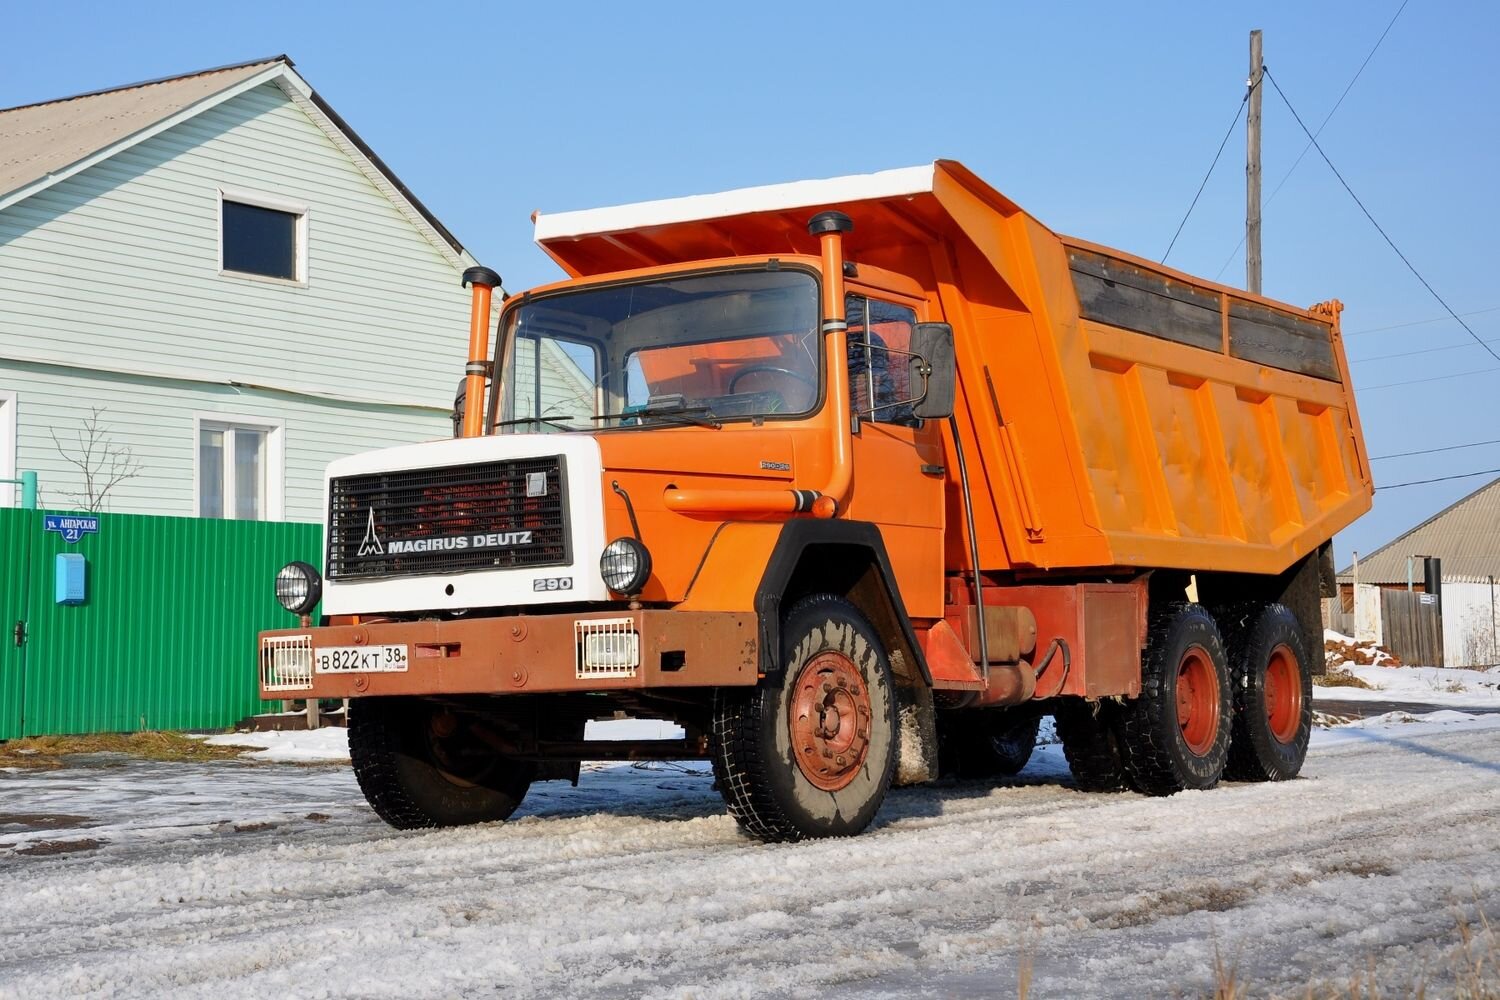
916 732
559 770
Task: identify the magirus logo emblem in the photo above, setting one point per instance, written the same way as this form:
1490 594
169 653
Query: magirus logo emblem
371 546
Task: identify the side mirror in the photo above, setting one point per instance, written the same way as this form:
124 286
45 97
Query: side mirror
936 368
459 400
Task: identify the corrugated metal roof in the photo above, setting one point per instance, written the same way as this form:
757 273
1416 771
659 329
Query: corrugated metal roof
1465 535
41 139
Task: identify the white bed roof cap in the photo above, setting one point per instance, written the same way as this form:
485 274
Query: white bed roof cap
744 201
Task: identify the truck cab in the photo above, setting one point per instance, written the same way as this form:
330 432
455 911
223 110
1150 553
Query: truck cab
829 475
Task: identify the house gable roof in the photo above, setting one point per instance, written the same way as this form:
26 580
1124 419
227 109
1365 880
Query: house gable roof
42 144
1465 535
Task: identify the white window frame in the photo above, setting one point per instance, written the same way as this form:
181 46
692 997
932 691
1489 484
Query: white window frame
8 445
275 430
262 200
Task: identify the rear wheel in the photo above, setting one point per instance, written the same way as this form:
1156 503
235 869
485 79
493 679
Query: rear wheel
1089 732
1176 734
811 751
1272 686
421 765
987 744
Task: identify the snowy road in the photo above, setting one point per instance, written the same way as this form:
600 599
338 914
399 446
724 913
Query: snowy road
240 880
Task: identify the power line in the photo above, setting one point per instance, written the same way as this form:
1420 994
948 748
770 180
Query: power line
1433 451
1434 378
1409 266
1286 176
1410 354
1237 112
1417 322
1441 479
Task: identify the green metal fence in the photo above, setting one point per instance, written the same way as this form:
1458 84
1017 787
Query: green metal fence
165 637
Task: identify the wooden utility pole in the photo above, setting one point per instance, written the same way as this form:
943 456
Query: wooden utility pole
1252 171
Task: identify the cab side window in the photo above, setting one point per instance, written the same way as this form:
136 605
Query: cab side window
879 372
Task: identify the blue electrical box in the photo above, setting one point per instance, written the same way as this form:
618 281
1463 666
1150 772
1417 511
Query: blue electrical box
72 578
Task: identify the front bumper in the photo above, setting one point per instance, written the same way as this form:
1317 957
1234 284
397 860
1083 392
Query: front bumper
521 654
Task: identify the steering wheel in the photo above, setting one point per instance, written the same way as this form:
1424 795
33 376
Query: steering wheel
773 369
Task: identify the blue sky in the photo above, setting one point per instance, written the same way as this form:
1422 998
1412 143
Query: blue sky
1099 118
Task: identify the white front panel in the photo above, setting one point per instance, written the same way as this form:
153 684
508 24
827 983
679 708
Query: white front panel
580 581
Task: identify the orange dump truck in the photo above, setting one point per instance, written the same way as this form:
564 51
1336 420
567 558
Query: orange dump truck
854 481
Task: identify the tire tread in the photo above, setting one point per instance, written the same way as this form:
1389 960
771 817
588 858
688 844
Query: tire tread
373 745
1089 742
742 763
1148 723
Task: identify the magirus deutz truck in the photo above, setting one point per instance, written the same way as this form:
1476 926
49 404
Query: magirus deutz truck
853 480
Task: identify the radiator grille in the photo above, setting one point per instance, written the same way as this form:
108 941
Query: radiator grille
492 515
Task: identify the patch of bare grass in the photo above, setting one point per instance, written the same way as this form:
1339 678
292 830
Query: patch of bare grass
51 751
1211 897
1342 679
46 848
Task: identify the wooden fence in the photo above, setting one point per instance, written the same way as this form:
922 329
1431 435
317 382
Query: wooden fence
1412 627
1336 618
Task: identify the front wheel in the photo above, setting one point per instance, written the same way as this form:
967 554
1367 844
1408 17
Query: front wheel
810 752
423 765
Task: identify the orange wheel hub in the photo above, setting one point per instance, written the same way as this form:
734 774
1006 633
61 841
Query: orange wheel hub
1197 701
830 721
1283 694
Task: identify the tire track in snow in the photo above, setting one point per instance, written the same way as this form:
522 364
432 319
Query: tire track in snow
1115 894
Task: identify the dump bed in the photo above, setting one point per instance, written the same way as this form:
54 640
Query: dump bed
1113 412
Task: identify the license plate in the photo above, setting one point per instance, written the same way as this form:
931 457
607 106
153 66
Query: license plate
382 659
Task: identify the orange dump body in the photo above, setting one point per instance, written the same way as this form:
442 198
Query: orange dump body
1114 413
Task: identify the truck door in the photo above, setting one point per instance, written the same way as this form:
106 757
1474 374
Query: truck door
898 473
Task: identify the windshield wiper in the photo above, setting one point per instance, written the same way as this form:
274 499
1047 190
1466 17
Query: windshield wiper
670 408
558 421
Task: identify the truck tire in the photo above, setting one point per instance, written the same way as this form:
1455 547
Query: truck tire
1175 736
419 765
1089 732
1272 684
810 752
987 744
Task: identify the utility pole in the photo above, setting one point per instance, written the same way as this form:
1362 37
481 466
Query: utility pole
1252 170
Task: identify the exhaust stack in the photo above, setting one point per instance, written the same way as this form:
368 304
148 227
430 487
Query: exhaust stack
484 282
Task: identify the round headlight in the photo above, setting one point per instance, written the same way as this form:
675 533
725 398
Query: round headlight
298 587
625 566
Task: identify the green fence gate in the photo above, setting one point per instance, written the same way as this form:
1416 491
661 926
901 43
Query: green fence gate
165 636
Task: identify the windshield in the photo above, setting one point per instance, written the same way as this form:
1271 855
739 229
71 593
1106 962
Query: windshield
697 349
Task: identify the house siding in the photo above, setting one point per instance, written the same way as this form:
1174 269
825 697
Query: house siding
154 419
110 294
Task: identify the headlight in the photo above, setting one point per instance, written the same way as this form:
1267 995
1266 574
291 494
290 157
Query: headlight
298 587
625 566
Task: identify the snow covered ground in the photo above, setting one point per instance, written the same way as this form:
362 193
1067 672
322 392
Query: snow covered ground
1428 685
330 745
1467 688
128 878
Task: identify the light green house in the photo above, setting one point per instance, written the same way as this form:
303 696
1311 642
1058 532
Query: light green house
239 285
